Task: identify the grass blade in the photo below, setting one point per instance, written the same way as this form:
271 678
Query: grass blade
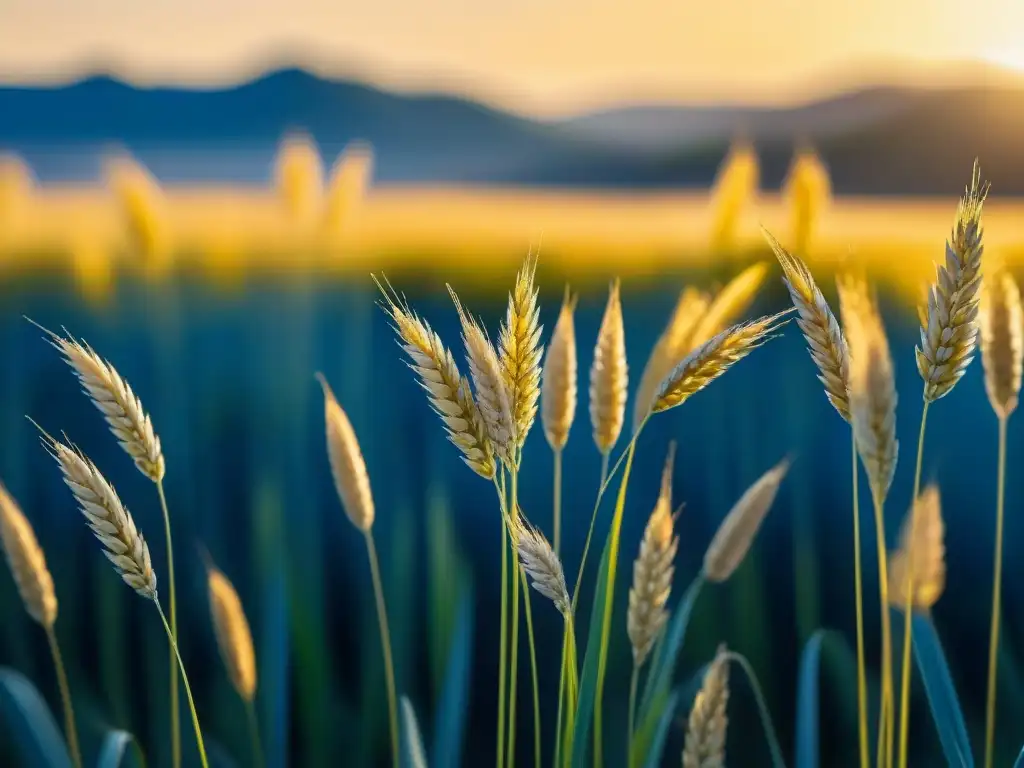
115 745
450 720
657 747
38 738
807 702
1020 760
942 698
663 666
412 754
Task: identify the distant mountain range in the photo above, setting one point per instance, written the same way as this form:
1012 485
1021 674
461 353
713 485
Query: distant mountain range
879 140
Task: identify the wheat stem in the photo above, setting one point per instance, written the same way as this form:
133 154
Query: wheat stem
503 645
65 696
997 578
254 734
558 503
562 693
188 689
762 708
175 709
513 677
633 679
533 667
908 608
862 696
385 642
604 466
884 712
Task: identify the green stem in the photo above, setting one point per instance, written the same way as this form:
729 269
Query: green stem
70 731
762 709
632 714
533 668
604 466
513 677
561 699
385 643
862 690
572 692
908 606
188 689
254 733
503 644
885 708
997 579
557 514
172 593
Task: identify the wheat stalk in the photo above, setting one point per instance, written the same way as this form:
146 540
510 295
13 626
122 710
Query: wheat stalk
652 572
736 533
929 561
558 383
712 359
521 351
1002 346
825 340
671 347
542 565
122 409
27 562
708 722
729 303
348 467
492 394
609 375
447 390
949 338
234 640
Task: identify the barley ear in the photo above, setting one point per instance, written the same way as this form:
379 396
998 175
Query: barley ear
27 563
929 577
709 720
521 351
609 375
348 468
542 566
730 302
558 383
1002 348
234 639
735 535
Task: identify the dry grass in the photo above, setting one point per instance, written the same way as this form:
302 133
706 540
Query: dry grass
709 720
347 465
27 562
735 535
521 351
653 571
558 383
110 521
542 566
929 560
609 375
447 390
825 339
234 639
712 359
949 338
1002 346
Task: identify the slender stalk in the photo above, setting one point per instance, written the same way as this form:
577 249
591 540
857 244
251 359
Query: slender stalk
558 503
604 466
762 709
70 731
997 579
884 713
503 645
533 667
572 692
907 608
862 695
632 714
561 698
385 643
254 734
172 593
513 677
188 689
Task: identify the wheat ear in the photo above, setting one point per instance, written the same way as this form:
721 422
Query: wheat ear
348 467
929 561
558 383
713 358
672 346
1002 346
542 566
652 572
447 390
609 375
825 340
521 351
949 338
234 639
27 562
492 394
729 303
735 535
709 720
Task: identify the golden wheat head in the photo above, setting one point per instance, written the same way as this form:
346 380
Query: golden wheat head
447 389
713 358
949 338
1002 346
736 533
27 563
521 352
110 521
709 720
234 640
929 578
609 375
542 566
492 394
729 303
652 572
123 411
558 383
672 346
351 480
825 339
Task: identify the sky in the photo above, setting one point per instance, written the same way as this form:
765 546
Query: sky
542 57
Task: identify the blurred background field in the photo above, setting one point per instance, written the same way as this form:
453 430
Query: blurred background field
216 243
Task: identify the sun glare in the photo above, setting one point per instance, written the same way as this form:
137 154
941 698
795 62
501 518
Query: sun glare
1011 58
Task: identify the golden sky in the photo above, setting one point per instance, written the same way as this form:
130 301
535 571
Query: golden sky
536 56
